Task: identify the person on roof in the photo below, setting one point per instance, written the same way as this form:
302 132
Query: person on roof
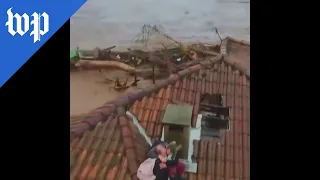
155 168
174 168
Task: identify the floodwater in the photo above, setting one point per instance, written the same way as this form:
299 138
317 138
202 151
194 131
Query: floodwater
103 23
89 90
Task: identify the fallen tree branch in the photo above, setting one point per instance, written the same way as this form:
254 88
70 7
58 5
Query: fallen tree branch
96 64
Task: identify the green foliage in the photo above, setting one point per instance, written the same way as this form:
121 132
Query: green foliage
74 57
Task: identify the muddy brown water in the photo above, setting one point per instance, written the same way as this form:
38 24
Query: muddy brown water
103 23
88 89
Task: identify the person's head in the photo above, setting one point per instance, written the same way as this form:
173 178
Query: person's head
168 151
171 147
161 150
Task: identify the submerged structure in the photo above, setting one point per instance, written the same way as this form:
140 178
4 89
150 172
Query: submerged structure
204 107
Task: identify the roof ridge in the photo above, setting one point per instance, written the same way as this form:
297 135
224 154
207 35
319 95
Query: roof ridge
126 134
100 114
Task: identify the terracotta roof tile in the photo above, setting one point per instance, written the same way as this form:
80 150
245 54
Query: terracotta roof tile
103 153
230 159
123 169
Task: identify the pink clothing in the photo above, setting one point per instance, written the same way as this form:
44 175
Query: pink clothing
145 170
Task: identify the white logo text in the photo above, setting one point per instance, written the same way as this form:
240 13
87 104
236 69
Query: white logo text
23 24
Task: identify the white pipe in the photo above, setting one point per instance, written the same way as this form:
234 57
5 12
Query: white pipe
140 128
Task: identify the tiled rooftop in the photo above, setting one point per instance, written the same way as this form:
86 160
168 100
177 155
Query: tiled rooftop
106 144
232 155
112 150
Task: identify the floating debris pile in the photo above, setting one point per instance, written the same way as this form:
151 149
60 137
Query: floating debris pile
152 64
179 54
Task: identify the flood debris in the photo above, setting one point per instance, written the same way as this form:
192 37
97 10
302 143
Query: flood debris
151 64
120 86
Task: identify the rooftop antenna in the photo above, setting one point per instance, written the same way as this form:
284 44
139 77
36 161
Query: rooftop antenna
217 32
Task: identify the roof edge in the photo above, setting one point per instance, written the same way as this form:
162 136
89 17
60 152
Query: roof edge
126 134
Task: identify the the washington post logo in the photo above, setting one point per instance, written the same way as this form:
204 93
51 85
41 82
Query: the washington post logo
23 23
